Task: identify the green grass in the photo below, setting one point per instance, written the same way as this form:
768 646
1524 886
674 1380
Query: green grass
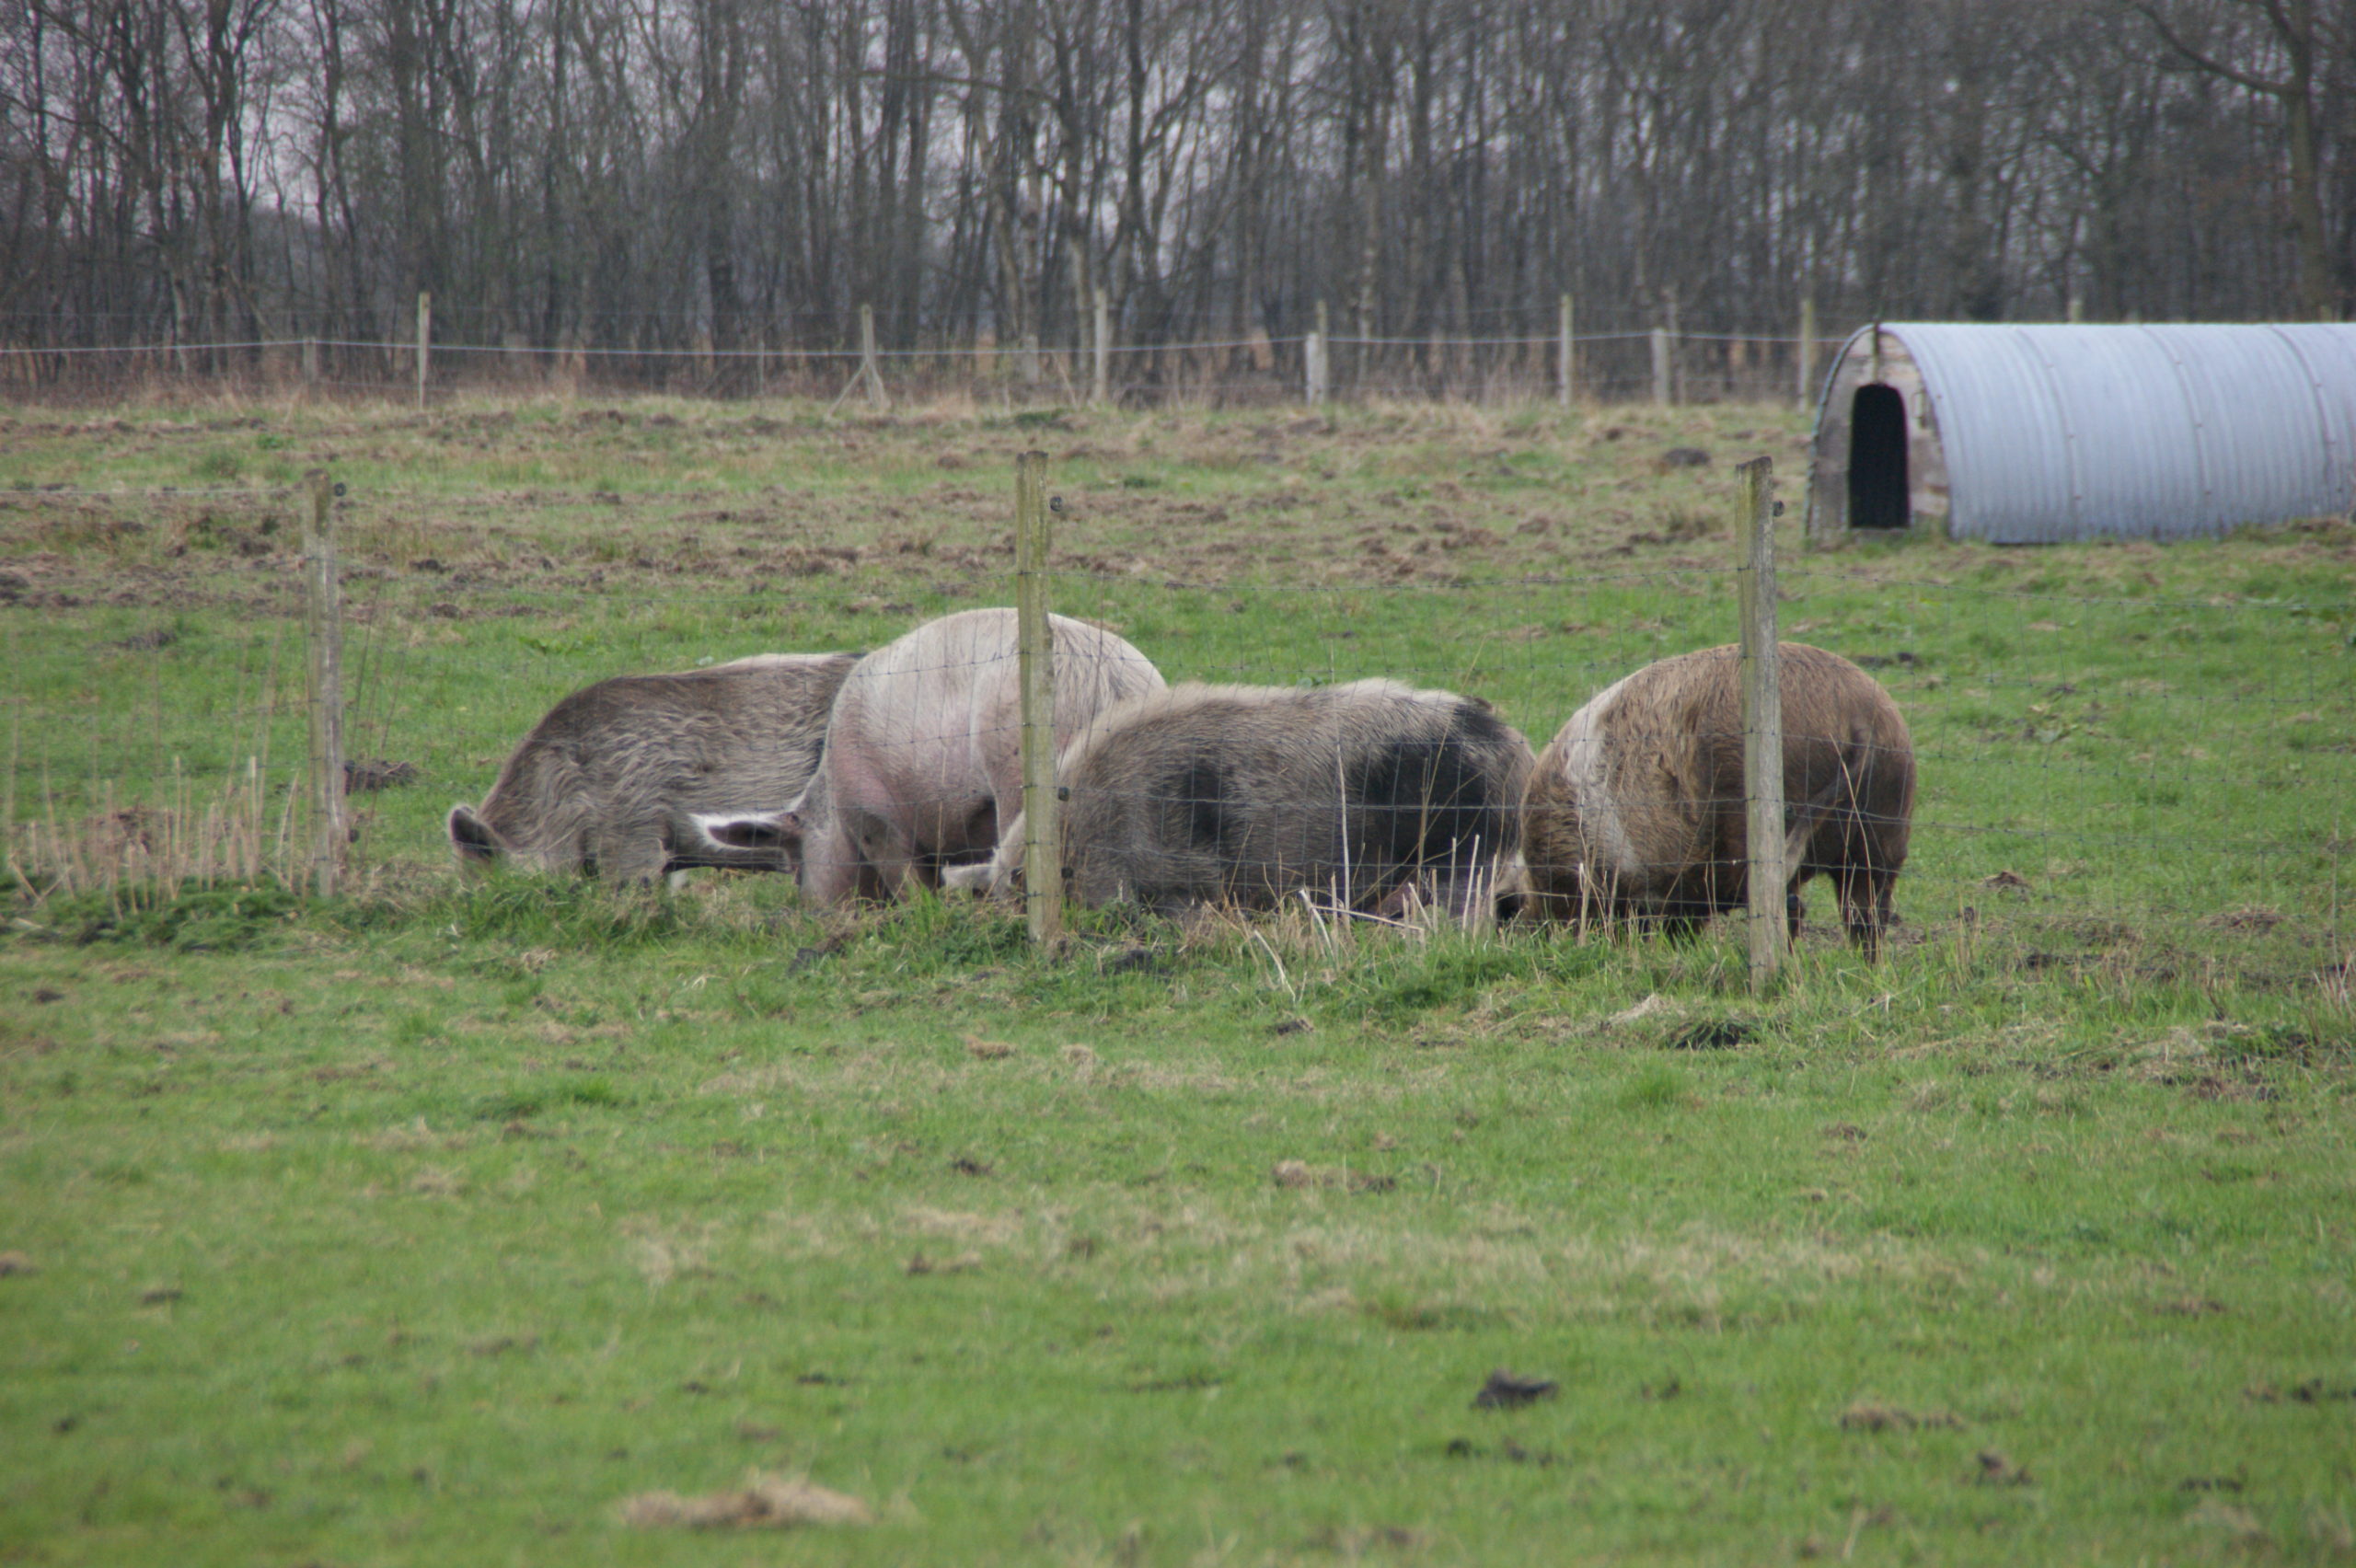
437 1221
423 1227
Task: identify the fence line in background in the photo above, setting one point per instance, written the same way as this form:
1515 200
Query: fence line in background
1074 352
1318 365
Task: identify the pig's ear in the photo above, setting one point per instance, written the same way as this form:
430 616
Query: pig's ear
757 830
471 836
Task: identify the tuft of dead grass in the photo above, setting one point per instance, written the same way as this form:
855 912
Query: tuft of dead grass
1653 1004
187 836
437 1181
418 1135
964 1224
764 1502
1299 1173
2235 1524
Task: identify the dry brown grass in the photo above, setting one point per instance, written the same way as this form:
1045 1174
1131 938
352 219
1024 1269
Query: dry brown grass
1300 1173
764 1502
182 836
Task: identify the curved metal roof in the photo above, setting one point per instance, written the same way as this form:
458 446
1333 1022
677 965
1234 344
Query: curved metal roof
2055 432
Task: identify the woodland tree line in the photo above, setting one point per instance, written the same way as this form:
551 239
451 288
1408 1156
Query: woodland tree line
727 173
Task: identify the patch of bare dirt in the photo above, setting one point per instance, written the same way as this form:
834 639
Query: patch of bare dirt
364 774
1510 1390
1995 1470
1871 1415
2312 1390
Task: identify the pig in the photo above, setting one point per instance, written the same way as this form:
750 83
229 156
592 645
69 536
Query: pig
614 780
1370 795
1636 808
924 754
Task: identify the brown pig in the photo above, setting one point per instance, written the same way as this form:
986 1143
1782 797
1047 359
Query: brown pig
1636 809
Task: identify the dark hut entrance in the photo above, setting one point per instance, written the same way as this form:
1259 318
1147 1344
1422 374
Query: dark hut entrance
1877 489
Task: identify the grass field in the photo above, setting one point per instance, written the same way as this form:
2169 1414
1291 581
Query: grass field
463 1223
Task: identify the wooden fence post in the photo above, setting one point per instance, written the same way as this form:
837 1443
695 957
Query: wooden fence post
1324 353
310 362
1042 882
867 369
1566 364
1104 348
1762 726
1660 366
1808 351
323 632
424 342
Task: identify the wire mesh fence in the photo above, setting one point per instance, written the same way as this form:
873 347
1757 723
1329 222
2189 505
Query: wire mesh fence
1253 369
2096 769
2127 779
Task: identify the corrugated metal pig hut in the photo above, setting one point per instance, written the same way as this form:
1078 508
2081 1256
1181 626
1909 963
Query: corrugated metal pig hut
2037 435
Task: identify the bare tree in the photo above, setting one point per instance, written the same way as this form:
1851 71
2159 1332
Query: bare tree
672 174
2272 49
